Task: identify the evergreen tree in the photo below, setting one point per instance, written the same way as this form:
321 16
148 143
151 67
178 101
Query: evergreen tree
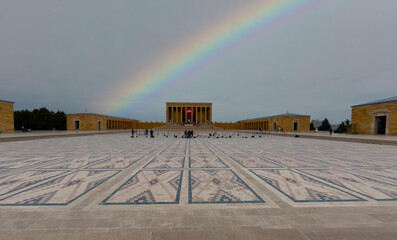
40 119
325 125
341 128
312 128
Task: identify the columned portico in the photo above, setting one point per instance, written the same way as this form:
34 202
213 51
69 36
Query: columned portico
183 112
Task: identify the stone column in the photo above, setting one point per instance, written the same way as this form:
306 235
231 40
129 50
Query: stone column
197 115
179 114
185 114
210 113
172 114
175 115
193 114
167 113
202 114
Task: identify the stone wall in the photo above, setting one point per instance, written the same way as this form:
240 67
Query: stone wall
149 125
283 123
229 126
92 122
363 118
6 117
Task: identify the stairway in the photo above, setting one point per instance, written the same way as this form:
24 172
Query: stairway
179 127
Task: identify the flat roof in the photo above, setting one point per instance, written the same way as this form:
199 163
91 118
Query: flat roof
101 115
6 101
279 115
392 99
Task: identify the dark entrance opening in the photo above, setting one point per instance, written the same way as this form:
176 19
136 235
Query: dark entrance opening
76 125
381 124
295 126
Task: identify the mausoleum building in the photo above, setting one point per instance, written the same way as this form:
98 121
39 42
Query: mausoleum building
185 112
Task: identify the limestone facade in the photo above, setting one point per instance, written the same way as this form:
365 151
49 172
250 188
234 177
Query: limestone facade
149 125
6 117
185 112
379 117
228 125
288 122
92 122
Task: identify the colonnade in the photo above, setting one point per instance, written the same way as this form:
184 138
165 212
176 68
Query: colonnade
115 124
256 125
199 114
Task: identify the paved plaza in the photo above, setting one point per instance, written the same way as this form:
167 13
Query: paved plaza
112 186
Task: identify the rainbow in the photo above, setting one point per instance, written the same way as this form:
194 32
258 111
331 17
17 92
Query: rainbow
178 64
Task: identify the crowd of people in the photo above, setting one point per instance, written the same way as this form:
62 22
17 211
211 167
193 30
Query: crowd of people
188 134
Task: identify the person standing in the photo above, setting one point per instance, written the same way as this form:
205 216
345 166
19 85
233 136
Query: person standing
151 133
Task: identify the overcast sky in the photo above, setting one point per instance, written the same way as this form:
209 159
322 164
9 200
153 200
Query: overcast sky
73 55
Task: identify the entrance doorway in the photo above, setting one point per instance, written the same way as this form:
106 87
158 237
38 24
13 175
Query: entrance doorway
76 125
99 125
380 124
295 126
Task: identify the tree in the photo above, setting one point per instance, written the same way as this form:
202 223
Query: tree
312 128
325 126
341 128
40 119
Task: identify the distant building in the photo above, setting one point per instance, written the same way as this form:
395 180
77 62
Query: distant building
377 117
288 122
6 116
93 121
186 112
97 122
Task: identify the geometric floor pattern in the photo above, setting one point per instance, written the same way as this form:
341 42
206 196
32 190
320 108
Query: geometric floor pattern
209 184
389 173
254 162
219 186
14 182
206 162
203 170
60 190
75 163
330 172
167 162
24 161
366 186
292 162
112 186
149 187
116 162
302 188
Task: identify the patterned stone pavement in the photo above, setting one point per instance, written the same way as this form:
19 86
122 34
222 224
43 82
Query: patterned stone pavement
114 187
